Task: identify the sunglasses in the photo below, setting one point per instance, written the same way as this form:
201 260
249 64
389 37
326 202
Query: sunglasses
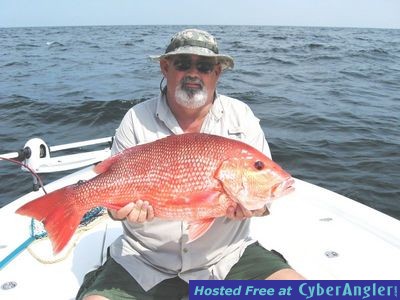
185 64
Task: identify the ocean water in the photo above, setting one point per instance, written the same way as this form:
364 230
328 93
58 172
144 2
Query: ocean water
328 98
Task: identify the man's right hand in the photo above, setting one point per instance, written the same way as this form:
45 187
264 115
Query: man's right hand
138 212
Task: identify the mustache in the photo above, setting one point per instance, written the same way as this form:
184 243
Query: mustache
189 79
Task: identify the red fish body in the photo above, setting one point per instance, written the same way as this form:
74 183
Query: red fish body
193 177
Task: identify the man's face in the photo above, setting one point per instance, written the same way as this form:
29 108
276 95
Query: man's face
191 79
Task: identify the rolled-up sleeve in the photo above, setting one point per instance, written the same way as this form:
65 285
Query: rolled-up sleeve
124 135
254 134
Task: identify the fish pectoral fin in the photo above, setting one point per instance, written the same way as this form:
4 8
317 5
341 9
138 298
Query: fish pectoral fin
201 198
198 228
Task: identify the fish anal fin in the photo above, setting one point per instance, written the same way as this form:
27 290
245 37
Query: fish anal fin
114 206
198 228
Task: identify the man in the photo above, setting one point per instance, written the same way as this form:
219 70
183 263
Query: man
152 259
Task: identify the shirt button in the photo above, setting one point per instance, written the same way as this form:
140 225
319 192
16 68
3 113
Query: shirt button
185 250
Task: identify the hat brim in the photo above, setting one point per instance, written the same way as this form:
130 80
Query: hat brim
225 60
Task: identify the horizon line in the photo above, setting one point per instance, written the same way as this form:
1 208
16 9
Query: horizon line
228 25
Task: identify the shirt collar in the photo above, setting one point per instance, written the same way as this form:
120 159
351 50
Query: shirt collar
217 109
164 114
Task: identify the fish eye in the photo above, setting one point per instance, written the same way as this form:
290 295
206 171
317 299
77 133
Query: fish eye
259 165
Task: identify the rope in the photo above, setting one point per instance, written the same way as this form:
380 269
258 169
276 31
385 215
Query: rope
91 219
37 231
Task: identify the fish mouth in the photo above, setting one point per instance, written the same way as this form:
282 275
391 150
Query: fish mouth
277 191
284 188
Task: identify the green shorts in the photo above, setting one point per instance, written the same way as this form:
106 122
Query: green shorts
114 282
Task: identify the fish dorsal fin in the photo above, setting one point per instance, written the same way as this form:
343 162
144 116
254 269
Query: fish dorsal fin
198 228
106 164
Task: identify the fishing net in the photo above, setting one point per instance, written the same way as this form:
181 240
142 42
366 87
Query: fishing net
44 254
38 231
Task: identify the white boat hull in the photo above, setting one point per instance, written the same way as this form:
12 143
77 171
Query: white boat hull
322 234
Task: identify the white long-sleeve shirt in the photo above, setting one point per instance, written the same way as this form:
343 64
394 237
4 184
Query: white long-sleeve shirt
157 250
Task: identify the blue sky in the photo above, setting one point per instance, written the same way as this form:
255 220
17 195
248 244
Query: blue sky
337 13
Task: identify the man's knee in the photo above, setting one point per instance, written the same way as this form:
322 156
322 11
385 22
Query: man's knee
286 274
95 297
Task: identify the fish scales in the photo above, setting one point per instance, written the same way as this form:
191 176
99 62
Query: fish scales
184 168
193 177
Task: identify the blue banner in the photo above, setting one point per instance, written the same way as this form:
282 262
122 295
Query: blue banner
299 290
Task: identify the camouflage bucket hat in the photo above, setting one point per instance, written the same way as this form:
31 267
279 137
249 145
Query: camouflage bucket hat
195 42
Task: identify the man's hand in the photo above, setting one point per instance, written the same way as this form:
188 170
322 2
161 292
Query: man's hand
241 213
138 212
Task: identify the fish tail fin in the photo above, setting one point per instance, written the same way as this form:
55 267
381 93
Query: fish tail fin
60 218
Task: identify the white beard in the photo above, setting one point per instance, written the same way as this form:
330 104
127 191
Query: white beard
189 99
